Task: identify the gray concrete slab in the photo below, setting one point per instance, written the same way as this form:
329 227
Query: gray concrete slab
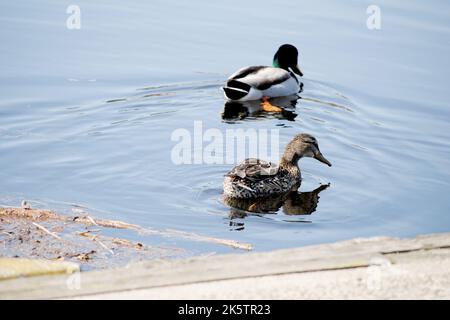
360 268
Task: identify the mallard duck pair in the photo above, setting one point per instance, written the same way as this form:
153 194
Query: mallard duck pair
255 178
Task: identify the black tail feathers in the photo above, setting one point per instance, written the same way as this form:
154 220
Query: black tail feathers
236 90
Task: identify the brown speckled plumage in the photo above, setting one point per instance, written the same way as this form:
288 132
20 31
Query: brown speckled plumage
254 178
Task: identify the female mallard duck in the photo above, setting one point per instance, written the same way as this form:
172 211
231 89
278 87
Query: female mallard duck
263 82
254 178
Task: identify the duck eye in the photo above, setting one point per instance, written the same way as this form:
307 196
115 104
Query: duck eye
314 143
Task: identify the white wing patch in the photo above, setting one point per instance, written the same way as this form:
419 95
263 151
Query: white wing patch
266 75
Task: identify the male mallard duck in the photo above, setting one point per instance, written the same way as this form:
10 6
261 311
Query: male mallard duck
263 82
254 178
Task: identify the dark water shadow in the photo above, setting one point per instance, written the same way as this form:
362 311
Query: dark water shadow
292 203
239 110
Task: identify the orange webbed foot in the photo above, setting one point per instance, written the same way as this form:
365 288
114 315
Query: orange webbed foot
267 106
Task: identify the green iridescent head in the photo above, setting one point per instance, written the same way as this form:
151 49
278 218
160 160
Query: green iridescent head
287 57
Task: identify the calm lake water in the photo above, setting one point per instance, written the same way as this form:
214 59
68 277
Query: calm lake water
86 116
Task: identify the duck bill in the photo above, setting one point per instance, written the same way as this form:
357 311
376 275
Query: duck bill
296 70
318 156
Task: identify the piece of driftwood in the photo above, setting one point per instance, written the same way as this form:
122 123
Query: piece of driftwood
197 237
85 219
165 233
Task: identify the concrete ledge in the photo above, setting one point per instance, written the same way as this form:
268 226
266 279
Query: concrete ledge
14 267
300 269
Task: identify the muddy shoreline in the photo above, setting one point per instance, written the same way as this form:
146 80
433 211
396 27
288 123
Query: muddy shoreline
45 234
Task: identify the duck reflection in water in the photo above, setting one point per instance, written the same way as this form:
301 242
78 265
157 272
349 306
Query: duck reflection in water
291 203
256 185
281 107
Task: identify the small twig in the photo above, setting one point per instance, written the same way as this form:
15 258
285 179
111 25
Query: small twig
105 223
87 232
95 239
197 237
104 246
47 231
92 220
